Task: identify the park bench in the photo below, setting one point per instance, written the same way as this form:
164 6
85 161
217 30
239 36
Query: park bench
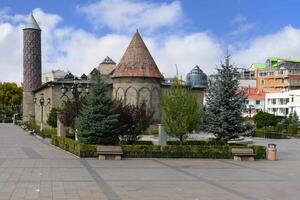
243 154
109 152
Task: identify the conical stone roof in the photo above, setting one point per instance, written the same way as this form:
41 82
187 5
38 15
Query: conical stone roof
32 24
137 61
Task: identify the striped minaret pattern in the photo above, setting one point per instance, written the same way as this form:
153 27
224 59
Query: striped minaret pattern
32 66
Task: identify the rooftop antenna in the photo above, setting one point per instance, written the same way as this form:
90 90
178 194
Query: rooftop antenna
227 57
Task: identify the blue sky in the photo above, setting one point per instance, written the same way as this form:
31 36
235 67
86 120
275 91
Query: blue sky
213 15
186 33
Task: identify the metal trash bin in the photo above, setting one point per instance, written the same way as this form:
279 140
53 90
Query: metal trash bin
271 153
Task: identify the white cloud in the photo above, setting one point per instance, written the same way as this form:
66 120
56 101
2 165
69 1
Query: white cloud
242 25
284 43
186 52
79 51
129 15
243 28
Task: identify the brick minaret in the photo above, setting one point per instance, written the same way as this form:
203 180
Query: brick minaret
32 66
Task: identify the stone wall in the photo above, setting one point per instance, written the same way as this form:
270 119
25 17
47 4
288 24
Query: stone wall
137 90
54 93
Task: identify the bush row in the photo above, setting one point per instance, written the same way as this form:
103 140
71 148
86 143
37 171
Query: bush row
187 151
122 142
47 132
203 142
152 151
81 150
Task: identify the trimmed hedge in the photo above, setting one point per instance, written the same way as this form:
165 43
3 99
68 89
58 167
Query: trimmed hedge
187 151
81 150
273 135
47 132
122 142
152 151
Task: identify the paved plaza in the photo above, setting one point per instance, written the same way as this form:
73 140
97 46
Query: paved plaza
33 169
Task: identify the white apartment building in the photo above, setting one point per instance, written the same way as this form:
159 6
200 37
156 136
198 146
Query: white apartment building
254 103
283 103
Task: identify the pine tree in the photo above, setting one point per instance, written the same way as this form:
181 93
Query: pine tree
98 122
223 112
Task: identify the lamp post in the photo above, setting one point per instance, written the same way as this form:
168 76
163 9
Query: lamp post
76 90
41 103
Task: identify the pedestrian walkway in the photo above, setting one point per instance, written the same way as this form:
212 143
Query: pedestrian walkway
32 169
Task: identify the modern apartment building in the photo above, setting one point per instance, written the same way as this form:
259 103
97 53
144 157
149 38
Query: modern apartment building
278 74
283 103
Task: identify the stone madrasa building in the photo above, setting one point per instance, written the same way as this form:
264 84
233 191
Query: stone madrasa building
134 80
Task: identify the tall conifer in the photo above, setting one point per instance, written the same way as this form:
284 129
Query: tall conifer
225 102
98 122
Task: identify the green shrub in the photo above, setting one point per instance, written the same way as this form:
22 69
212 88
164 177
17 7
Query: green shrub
52 118
259 133
186 151
292 129
151 132
48 132
279 127
274 135
260 151
81 150
152 151
123 142
198 142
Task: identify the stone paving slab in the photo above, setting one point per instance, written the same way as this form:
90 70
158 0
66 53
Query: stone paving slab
32 169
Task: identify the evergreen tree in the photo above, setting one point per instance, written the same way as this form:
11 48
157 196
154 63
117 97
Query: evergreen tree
97 122
293 118
225 102
52 118
181 112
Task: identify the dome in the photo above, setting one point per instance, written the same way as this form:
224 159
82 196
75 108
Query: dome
196 78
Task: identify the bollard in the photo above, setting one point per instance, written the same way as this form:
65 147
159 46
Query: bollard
162 136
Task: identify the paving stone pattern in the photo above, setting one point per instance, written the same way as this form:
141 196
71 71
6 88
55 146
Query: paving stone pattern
33 169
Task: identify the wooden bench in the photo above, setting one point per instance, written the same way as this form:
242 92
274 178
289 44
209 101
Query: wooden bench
109 152
243 154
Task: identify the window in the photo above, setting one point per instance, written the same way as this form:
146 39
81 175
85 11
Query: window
273 101
286 111
281 101
287 100
262 82
257 102
246 101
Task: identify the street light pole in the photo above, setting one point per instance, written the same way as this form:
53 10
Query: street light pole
42 104
76 90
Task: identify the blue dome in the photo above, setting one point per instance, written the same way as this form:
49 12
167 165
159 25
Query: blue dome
196 78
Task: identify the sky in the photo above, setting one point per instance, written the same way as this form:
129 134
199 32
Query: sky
77 35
